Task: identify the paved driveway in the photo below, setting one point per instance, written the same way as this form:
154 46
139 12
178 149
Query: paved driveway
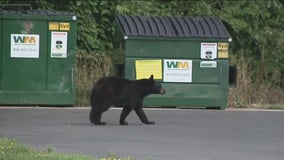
179 134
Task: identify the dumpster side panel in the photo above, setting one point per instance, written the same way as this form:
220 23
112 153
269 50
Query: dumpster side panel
23 56
30 73
188 55
209 86
61 63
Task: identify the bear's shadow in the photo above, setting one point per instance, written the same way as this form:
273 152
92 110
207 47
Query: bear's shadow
108 124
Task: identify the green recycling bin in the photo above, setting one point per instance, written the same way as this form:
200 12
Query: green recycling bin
188 55
37 57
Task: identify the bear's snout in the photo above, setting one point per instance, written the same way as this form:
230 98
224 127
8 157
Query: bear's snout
162 91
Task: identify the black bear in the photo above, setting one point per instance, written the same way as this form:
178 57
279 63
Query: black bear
124 93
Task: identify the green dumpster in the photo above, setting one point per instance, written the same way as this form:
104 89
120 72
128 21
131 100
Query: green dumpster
189 55
37 57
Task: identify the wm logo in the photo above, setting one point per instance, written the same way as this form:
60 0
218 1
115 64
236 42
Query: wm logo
24 39
177 65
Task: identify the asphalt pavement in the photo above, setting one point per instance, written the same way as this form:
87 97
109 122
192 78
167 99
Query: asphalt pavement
183 134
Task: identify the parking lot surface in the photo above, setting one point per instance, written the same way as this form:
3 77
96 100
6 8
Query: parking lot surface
183 134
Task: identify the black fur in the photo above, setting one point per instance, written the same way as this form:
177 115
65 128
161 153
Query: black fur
124 93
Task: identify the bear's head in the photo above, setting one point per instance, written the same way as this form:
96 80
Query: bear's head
156 86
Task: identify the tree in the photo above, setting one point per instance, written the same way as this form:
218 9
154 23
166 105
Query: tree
95 21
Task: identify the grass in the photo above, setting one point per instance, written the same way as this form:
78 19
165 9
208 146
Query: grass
13 150
268 106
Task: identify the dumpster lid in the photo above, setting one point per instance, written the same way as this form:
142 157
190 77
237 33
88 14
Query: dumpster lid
173 27
37 12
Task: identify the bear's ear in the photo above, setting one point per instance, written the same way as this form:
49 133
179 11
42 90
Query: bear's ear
151 78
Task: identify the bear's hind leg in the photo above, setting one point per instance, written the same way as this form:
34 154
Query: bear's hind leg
95 117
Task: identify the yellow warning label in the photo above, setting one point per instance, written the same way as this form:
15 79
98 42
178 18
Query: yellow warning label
223 54
53 26
144 68
64 26
223 46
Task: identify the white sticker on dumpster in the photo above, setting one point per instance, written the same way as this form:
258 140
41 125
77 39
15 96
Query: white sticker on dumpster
208 64
177 70
208 51
58 45
24 46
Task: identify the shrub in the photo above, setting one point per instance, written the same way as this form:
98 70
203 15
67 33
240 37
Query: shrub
89 68
250 91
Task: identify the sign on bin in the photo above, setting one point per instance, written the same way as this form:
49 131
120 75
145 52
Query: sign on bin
144 68
176 70
208 51
24 46
59 44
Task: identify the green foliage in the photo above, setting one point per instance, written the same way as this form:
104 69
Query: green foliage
96 23
258 34
257 31
256 27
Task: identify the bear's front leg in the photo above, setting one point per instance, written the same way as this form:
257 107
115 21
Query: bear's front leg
142 116
125 112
